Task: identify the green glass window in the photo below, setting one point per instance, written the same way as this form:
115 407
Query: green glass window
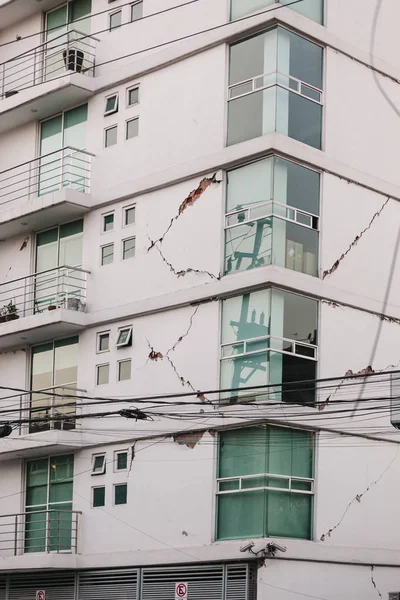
313 9
275 84
48 501
122 461
54 366
265 483
120 493
99 496
269 337
272 216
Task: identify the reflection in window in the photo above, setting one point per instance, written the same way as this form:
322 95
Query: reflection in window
275 84
313 9
269 337
272 209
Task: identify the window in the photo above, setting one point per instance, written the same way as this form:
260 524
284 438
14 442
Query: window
275 84
103 341
136 11
272 209
54 365
49 486
132 128
108 222
115 20
128 248
313 9
129 215
120 493
107 254
110 136
98 496
265 484
102 374
124 370
98 464
121 461
111 105
124 337
132 96
269 337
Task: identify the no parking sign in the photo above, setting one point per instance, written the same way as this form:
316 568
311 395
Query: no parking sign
181 590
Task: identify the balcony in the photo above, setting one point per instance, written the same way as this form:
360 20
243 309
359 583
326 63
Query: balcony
47 79
45 191
42 306
45 531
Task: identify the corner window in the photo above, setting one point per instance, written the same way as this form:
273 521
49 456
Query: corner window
111 105
107 254
128 248
103 341
115 20
110 136
102 374
98 464
121 461
124 369
272 216
136 11
98 496
269 337
275 84
129 215
313 9
120 494
132 96
108 222
265 484
132 128
124 337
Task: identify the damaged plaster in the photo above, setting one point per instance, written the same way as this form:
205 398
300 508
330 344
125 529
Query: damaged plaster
373 582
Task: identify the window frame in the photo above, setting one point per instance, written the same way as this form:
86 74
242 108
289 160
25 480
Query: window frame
125 209
133 237
126 128
103 217
129 338
116 453
103 466
102 264
115 486
98 487
111 111
115 126
110 15
98 336
130 89
131 11
119 362
97 373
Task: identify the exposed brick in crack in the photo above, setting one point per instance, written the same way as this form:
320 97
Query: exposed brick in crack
188 201
355 241
362 373
373 582
184 272
190 439
358 497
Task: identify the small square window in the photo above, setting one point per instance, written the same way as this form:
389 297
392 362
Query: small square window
108 222
136 11
133 96
115 19
98 464
124 337
111 105
132 128
98 496
107 254
129 215
128 248
110 136
102 374
121 461
120 493
103 341
124 370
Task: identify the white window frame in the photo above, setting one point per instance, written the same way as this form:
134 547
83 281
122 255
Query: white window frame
125 451
98 336
103 468
113 110
128 339
101 254
114 12
107 364
103 216
115 126
129 89
133 237
130 11
119 362
114 487
124 211
98 487
126 128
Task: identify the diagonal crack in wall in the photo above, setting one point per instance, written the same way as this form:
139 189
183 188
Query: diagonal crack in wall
373 581
357 497
184 272
355 241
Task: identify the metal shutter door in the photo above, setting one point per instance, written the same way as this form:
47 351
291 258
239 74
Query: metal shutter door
204 582
113 584
58 586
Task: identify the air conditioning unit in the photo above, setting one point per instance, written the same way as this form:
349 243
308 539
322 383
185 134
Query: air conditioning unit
394 595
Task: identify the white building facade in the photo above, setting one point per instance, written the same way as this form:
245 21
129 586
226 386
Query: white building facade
198 249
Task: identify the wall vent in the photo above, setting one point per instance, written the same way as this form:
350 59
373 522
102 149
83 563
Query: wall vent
113 584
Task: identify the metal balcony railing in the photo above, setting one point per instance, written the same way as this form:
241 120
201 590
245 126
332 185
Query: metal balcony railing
51 408
70 52
67 167
39 531
62 287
